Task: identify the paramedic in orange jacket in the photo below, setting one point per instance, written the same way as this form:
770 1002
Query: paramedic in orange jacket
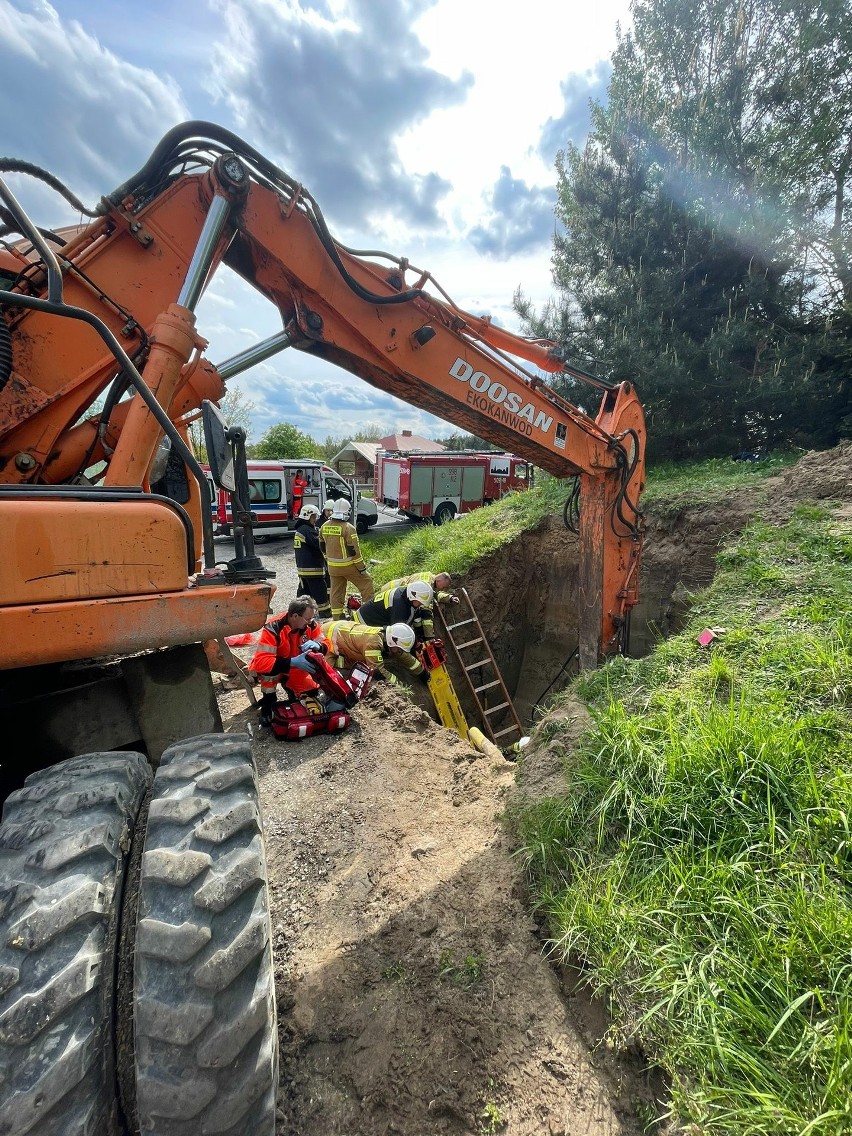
283 654
300 484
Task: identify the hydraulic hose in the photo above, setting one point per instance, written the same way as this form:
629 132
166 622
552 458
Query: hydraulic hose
5 352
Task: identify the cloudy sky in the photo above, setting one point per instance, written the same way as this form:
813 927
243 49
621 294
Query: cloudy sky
427 128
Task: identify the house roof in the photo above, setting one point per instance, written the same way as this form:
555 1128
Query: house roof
406 442
352 450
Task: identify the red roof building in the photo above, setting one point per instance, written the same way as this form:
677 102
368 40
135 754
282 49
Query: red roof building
406 442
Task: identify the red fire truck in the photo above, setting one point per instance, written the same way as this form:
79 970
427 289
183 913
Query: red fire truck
438 487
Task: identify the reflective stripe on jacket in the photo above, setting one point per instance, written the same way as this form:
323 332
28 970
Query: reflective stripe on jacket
358 643
307 551
340 545
392 605
276 639
422 577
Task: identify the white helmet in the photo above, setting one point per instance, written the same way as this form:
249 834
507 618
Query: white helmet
342 508
308 511
400 635
420 590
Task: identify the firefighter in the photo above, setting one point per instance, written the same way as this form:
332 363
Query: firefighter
440 584
342 551
411 604
283 654
351 643
327 510
310 561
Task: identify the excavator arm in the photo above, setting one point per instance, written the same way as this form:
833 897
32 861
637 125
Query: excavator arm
205 199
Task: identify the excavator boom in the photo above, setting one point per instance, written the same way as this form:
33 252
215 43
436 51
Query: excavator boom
109 586
141 265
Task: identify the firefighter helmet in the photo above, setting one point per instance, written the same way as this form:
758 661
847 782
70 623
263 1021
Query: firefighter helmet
308 511
400 635
342 508
419 590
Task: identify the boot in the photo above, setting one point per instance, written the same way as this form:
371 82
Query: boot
267 709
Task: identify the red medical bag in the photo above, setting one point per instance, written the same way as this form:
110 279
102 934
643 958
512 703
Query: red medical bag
293 721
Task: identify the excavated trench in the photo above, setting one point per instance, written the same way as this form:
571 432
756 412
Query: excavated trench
525 594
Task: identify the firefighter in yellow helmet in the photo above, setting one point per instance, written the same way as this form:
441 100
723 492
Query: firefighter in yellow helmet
352 643
342 551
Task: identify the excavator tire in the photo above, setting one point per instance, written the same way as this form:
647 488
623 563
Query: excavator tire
204 996
64 842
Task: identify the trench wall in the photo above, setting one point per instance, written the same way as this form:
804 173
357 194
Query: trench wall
526 595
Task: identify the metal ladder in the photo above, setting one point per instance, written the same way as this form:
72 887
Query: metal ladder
481 674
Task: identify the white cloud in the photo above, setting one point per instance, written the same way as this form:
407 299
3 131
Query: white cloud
423 126
81 111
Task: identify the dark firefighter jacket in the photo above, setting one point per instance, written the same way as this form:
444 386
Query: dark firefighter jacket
394 606
306 546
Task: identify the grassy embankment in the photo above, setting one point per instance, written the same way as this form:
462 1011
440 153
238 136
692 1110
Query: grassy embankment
699 863
456 547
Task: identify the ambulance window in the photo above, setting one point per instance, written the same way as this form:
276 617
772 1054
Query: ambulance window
337 488
521 470
261 489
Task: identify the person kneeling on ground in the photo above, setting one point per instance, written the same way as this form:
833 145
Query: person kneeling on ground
283 654
357 643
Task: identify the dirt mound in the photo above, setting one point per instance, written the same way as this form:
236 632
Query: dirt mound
824 475
414 996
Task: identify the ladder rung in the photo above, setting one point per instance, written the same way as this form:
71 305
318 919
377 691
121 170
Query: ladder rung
487 686
494 709
511 730
461 623
470 643
481 663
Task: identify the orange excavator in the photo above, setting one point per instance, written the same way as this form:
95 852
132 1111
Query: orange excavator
136 989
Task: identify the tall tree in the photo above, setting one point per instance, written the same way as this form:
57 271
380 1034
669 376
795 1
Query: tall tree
687 257
235 408
285 441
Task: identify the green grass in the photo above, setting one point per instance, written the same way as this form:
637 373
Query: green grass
709 479
456 547
699 863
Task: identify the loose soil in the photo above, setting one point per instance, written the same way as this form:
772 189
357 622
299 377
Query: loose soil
415 993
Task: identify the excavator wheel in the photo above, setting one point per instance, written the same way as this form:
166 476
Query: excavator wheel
64 842
206 1057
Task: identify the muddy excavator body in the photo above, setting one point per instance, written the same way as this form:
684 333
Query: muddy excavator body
109 586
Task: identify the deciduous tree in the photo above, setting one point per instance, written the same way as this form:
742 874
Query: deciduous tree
286 441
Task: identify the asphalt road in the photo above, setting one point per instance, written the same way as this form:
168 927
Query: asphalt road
276 553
